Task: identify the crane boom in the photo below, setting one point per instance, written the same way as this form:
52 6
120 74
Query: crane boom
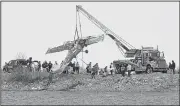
119 41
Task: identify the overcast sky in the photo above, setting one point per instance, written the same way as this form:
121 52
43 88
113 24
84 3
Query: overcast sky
33 27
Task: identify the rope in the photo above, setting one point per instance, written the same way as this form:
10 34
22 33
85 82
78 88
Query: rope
82 60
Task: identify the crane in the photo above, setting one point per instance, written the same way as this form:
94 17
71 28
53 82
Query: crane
125 48
76 46
148 56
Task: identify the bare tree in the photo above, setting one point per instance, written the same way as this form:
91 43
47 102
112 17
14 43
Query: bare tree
21 56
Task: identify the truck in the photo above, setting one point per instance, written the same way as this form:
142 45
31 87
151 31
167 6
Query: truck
146 60
8 67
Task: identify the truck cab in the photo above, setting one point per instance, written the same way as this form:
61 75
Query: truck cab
153 60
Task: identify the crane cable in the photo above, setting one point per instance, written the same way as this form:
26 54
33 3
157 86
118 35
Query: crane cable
76 31
80 33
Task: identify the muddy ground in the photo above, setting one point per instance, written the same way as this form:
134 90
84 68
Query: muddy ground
141 89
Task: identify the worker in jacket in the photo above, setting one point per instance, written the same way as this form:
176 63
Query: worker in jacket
49 66
74 67
173 66
123 69
129 70
88 68
39 65
94 70
111 68
29 63
77 67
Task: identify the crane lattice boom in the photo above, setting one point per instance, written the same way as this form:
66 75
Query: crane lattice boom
122 44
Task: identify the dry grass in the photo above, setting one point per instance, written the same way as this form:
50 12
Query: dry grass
23 74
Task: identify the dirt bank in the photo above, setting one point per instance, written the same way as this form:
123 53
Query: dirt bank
83 82
155 88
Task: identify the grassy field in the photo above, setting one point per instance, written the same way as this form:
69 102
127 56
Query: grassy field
88 98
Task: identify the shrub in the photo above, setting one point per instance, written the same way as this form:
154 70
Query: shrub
23 74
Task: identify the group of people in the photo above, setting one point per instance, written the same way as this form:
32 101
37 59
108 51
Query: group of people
75 66
45 65
172 66
94 70
48 65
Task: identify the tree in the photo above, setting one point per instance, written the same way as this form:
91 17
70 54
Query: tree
21 56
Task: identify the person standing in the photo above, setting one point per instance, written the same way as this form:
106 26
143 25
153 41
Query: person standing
170 66
173 66
105 71
123 69
77 67
56 63
74 67
88 68
129 70
29 63
111 68
39 66
49 66
94 70
68 68
61 63
46 66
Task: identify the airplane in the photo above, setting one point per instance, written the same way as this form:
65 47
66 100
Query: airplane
74 48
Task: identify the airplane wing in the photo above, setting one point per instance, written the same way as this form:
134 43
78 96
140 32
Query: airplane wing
65 46
91 39
71 54
75 50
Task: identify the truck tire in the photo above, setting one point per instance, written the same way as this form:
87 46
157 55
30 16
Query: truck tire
137 72
149 70
165 71
4 69
10 70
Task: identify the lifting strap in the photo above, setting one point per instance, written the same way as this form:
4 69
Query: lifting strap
76 34
76 31
78 17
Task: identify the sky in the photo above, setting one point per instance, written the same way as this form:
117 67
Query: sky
32 27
